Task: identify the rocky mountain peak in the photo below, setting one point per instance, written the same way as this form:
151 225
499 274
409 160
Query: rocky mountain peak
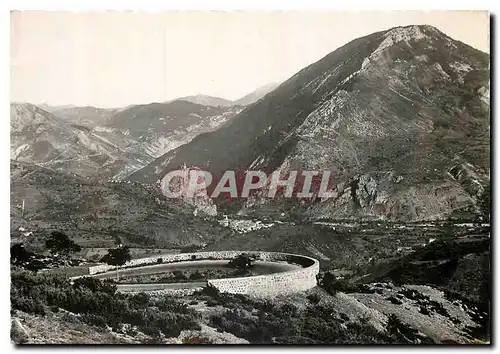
405 105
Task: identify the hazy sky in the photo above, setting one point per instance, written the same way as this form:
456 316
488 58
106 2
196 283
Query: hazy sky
112 59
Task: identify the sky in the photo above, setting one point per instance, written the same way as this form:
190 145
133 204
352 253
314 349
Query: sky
114 59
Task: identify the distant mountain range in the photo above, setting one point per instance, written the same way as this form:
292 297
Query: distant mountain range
206 100
94 115
88 115
256 95
113 143
40 137
246 100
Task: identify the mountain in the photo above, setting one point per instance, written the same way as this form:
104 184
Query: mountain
95 213
206 100
87 115
256 95
221 102
157 128
51 109
40 137
167 117
400 118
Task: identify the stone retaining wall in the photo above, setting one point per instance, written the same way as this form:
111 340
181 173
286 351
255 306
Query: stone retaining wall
270 284
260 285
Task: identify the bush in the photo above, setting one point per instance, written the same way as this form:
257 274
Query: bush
99 304
95 285
313 298
212 303
29 305
96 320
59 242
196 276
332 285
211 291
140 300
316 325
403 332
394 300
178 274
268 322
242 261
423 310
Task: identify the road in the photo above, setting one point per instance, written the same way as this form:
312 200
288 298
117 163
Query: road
260 267
159 286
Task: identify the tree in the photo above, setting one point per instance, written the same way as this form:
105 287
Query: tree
19 255
179 275
331 283
58 242
242 261
196 276
117 257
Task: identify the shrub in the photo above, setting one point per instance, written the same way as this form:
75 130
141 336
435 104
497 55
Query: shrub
313 298
394 300
29 305
423 310
288 310
140 300
332 285
212 303
403 332
95 285
93 319
242 261
99 304
178 274
211 291
196 276
59 242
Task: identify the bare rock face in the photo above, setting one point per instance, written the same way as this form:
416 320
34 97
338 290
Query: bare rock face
391 115
207 335
18 333
199 199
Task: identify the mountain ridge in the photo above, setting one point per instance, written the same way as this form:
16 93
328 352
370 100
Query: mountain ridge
393 92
